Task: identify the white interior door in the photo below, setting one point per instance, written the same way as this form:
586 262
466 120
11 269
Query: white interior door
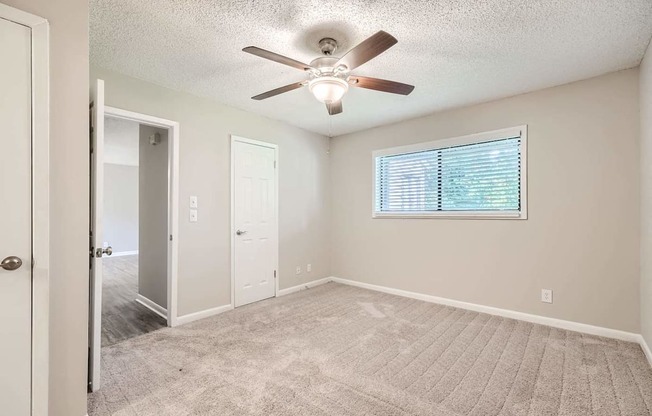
16 214
255 222
97 251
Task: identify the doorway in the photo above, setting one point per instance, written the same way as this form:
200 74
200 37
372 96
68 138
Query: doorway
134 221
134 284
254 207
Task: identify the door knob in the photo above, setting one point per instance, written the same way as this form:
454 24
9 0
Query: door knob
100 251
240 232
11 263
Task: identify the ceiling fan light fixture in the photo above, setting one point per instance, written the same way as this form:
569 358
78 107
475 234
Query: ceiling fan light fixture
328 89
330 76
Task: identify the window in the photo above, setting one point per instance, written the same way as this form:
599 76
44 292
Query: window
482 175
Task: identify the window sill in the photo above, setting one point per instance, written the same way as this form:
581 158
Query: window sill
504 215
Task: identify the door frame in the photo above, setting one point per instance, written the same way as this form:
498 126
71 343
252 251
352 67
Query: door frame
173 199
240 139
40 69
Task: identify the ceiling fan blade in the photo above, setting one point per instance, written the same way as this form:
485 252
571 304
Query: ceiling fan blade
276 58
381 85
278 91
334 108
367 50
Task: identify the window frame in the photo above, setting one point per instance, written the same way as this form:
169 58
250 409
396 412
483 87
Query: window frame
452 142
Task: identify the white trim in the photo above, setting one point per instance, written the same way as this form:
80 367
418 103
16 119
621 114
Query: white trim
304 286
536 319
41 217
124 253
453 215
40 45
474 138
96 210
234 139
154 121
173 179
646 349
203 314
21 17
519 131
153 306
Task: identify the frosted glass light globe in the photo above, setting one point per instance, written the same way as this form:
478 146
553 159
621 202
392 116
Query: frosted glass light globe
328 89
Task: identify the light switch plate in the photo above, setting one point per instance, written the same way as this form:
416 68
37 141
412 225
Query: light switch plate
193 215
193 202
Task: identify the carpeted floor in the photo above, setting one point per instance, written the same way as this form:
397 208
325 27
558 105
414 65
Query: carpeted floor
340 350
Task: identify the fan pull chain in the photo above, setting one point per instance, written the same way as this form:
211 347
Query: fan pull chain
330 127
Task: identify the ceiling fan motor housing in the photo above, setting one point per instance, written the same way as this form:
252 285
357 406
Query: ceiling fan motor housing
327 66
324 64
328 82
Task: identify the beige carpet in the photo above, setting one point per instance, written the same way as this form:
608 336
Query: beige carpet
339 350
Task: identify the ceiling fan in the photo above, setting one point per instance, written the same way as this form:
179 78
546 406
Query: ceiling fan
330 76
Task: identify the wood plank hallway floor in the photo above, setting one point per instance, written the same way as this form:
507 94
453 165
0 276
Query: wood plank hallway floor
122 316
341 350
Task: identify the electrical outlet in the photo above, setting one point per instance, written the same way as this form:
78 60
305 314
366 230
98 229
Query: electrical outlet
309 268
546 295
193 215
298 269
193 202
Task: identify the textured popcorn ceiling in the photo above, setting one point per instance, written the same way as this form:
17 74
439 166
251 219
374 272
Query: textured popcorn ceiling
456 52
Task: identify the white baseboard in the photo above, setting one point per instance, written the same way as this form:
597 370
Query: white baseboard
646 349
124 253
153 306
304 286
537 319
203 314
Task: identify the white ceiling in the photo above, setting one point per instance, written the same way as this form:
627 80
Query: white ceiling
456 52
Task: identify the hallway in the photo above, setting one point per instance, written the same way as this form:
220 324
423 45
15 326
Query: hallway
122 316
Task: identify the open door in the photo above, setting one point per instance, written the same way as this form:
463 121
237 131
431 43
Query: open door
96 248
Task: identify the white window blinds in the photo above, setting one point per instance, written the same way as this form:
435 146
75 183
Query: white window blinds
476 177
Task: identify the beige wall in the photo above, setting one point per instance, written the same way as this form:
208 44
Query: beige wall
69 199
204 247
646 196
153 216
120 207
582 235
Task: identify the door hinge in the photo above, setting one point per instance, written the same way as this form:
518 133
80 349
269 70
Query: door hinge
274 274
274 164
170 237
